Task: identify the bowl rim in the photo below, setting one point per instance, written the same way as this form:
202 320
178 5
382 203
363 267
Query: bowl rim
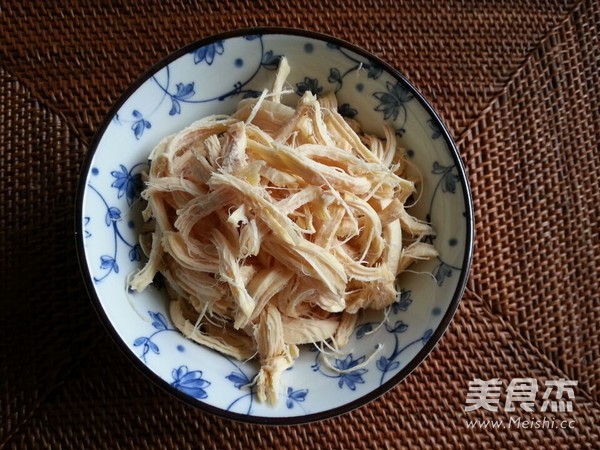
266 420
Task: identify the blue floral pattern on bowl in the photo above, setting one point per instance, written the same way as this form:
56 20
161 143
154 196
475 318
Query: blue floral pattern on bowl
212 77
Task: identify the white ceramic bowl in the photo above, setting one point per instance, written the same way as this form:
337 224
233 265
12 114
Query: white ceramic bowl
211 76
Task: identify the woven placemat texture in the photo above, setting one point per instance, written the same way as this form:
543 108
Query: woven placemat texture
45 322
518 84
534 159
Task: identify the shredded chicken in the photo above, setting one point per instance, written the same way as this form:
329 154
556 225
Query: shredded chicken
274 227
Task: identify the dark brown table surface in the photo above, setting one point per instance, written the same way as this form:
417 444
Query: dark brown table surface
518 84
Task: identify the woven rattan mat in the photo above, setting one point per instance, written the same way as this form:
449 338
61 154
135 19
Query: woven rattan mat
518 83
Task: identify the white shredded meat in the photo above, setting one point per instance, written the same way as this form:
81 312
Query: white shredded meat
274 227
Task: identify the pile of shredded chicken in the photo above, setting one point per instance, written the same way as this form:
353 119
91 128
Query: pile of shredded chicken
274 227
